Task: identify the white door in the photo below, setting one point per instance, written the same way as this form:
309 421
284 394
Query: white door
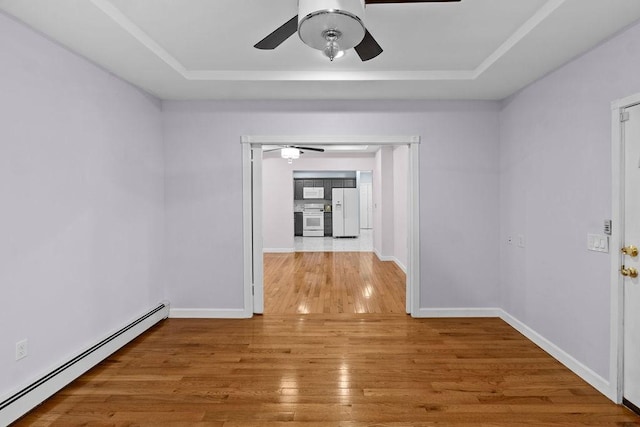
630 259
366 206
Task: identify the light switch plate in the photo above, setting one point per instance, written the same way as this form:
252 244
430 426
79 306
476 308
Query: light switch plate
598 243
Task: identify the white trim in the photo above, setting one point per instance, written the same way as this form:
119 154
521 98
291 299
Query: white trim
328 75
617 216
390 258
616 295
413 224
524 30
330 139
413 235
457 312
137 33
208 313
335 250
278 250
400 265
383 257
257 291
599 383
247 224
45 390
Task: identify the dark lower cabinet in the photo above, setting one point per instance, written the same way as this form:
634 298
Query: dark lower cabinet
328 224
297 223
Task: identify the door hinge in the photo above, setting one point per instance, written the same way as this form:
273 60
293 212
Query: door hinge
624 116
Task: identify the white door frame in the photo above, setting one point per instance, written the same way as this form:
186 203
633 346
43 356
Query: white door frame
616 386
252 230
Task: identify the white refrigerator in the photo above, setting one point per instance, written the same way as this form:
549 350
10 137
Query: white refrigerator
346 212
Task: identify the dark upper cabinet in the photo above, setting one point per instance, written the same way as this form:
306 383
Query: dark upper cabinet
328 184
297 223
312 183
327 189
298 185
337 183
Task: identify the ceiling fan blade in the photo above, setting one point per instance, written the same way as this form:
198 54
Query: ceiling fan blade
407 1
320 150
282 33
368 47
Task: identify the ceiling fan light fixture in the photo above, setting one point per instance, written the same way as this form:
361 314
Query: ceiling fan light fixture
331 26
290 153
332 51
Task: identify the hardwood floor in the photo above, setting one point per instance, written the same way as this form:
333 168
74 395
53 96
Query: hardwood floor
330 370
357 360
332 282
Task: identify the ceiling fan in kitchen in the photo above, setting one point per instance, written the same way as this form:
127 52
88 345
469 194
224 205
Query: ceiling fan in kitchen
292 152
332 26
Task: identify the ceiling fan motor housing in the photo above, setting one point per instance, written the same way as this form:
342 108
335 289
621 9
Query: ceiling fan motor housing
331 21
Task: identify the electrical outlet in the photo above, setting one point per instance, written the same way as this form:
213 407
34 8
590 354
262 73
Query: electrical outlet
21 349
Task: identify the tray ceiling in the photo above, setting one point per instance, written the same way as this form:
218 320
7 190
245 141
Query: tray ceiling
203 49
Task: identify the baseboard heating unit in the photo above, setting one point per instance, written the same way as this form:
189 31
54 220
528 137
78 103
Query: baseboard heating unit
29 397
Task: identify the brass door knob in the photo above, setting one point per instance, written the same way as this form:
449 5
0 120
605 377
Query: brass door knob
629 272
630 250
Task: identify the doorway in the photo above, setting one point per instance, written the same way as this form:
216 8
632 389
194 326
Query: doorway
252 185
625 294
328 221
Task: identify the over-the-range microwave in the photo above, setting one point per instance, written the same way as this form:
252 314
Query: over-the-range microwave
313 192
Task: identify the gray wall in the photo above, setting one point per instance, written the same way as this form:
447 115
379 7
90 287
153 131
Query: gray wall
81 191
459 190
555 187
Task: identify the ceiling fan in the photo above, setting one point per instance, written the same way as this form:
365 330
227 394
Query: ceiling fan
291 152
332 26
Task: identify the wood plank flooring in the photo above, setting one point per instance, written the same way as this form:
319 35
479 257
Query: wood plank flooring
332 282
330 370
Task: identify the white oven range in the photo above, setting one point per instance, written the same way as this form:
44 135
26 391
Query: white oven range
313 220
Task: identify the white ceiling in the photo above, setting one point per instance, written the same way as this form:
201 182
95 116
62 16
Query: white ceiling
203 49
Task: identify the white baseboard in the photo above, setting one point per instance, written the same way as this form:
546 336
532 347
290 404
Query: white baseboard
561 356
21 402
400 265
381 257
595 380
390 258
278 250
208 313
458 312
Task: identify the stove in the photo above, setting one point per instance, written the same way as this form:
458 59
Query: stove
313 220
